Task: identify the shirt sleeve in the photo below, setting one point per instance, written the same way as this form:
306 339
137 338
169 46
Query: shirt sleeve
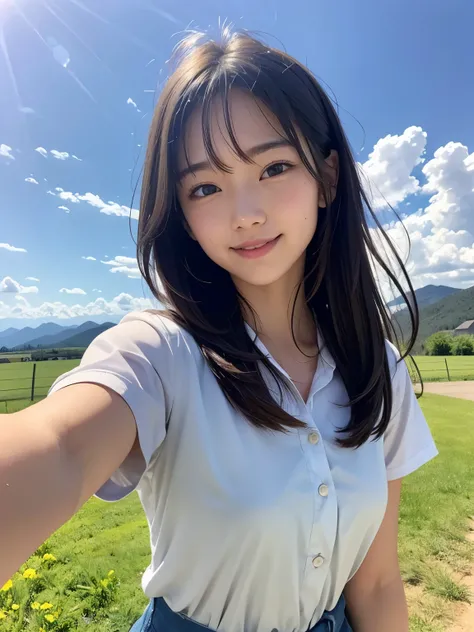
408 443
130 359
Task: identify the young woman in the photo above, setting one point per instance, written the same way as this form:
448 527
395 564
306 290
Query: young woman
263 417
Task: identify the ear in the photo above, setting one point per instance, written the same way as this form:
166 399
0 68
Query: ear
332 174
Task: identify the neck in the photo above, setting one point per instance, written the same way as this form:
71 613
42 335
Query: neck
272 308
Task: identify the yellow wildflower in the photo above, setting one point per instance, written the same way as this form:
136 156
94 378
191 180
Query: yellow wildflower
30 573
50 618
3 615
15 606
110 573
49 556
46 606
42 630
35 605
7 586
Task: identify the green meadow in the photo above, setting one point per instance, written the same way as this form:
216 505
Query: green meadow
79 592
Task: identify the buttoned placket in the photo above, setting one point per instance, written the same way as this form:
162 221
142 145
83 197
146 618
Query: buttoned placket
321 544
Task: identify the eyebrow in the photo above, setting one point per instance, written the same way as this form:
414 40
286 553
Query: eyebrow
252 152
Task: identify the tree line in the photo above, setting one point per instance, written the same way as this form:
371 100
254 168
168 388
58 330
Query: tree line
444 343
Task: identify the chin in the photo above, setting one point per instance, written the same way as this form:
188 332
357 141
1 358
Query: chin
258 280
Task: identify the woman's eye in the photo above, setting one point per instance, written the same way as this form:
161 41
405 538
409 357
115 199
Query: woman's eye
277 168
204 190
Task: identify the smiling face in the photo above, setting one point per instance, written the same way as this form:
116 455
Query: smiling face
256 221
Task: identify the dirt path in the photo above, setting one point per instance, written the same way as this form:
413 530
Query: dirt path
465 390
465 619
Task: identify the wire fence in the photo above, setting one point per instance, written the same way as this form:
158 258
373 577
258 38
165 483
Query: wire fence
442 369
30 380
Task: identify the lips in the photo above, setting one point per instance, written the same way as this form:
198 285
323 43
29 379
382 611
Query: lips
257 248
256 243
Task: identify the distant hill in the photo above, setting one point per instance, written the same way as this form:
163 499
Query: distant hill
427 295
13 337
56 340
446 314
84 338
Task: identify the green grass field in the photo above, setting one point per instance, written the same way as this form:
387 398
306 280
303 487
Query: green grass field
437 501
16 378
433 368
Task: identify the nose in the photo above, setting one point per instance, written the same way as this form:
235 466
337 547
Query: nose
248 212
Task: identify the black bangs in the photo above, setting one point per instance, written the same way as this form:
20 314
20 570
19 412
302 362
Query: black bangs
217 92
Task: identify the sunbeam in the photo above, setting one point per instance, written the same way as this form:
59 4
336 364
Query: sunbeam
4 49
71 30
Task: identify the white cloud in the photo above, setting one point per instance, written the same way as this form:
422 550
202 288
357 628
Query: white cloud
124 265
59 155
74 290
96 290
132 102
59 189
108 208
89 258
5 151
26 110
32 279
32 180
51 192
442 234
64 208
387 173
68 196
10 286
12 248
119 306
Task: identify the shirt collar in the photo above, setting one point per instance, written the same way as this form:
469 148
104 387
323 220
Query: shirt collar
324 371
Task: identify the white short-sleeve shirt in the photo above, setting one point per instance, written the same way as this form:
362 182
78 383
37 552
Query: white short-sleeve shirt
251 530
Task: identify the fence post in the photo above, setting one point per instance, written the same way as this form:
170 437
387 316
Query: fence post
33 382
447 369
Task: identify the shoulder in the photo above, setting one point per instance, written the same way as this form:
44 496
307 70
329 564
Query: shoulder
159 320
151 335
143 324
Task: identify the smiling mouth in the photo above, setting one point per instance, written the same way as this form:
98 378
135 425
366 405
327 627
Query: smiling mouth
258 248
254 245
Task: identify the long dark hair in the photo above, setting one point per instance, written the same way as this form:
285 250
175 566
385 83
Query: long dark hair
339 283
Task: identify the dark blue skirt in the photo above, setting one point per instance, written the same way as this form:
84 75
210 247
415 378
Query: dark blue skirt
158 617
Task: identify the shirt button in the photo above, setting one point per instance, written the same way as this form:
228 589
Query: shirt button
313 437
323 490
318 561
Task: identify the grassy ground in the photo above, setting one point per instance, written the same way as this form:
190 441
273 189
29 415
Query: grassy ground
16 378
433 368
436 503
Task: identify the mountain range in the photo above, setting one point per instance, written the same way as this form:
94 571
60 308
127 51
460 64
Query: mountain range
427 295
441 308
443 315
50 335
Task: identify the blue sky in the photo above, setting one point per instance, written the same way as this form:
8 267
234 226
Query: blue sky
78 81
